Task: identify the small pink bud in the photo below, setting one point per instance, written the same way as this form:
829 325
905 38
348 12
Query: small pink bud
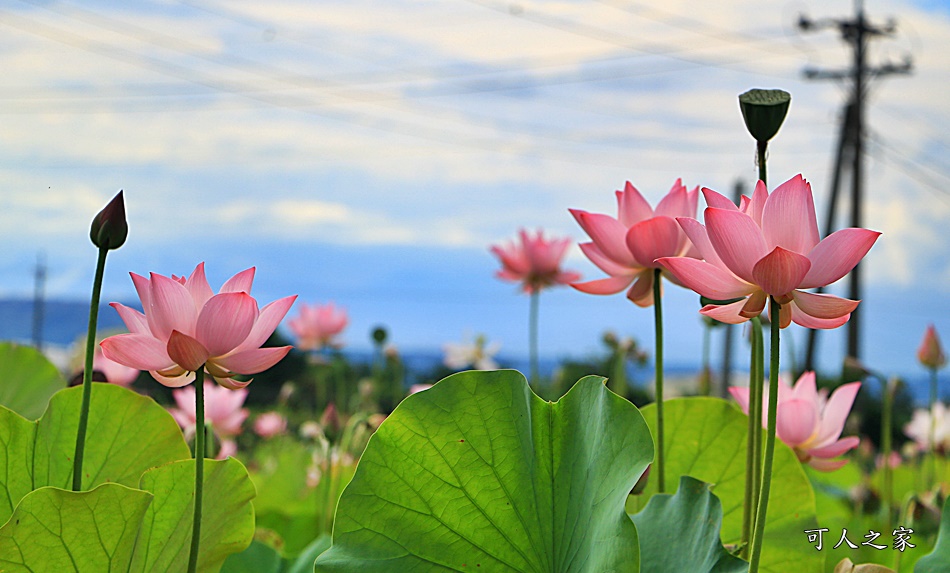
930 353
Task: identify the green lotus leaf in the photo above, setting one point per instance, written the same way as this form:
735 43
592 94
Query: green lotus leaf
128 434
227 519
939 560
681 532
479 473
29 380
73 532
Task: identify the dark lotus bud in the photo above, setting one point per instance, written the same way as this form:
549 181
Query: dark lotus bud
764 111
380 335
109 227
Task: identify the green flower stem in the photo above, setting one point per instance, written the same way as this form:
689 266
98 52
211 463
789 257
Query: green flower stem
87 370
533 337
199 466
887 407
761 148
932 469
753 459
658 320
774 312
757 378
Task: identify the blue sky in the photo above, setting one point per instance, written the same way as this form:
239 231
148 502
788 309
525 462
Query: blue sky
370 152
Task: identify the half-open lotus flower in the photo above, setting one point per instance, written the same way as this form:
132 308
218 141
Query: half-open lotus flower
535 262
810 422
186 326
627 247
318 326
769 246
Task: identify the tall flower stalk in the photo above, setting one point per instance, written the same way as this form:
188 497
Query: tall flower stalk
775 310
109 231
200 436
627 249
753 476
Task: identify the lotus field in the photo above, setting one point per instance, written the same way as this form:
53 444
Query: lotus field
206 439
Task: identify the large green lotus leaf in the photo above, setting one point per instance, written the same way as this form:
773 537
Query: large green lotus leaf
227 518
479 473
73 532
127 434
938 561
29 379
681 532
706 439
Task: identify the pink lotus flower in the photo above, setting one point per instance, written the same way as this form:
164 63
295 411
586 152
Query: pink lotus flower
317 326
535 262
930 353
114 372
223 411
626 248
186 326
808 421
769 246
270 424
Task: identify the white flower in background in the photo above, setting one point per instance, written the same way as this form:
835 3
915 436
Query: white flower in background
919 427
476 354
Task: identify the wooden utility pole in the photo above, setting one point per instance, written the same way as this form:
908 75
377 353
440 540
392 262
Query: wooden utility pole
39 299
856 32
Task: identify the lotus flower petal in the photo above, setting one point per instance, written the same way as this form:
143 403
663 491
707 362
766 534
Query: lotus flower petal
728 313
737 240
836 448
171 308
697 235
241 282
641 291
718 200
796 421
676 203
801 318
706 279
134 320
631 206
197 285
836 255
253 361
225 321
609 285
788 217
609 235
603 262
267 321
779 272
654 238
821 305
836 412
186 351
137 351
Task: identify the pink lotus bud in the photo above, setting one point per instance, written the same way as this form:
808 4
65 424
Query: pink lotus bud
930 353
